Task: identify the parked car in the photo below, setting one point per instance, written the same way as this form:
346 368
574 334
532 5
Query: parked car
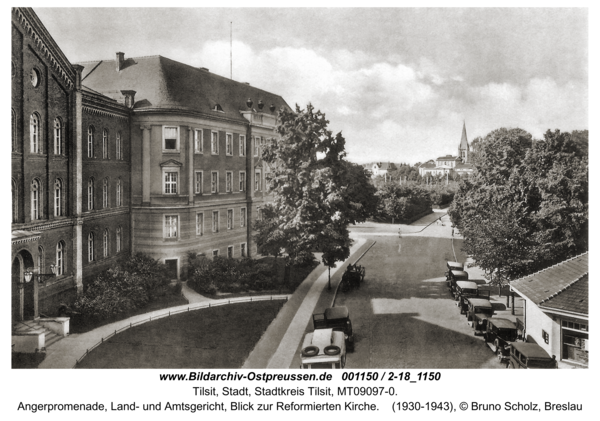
529 355
352 277
323 348
479 311
499 334
455 266
454 276
336 318
468 289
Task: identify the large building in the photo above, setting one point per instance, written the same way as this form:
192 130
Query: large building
448 163
556 310
118 156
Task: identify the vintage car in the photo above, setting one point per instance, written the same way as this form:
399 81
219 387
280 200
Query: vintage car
468 289
499 334
336 318
455 266
529 355
352 277
479 311
453 276
323 348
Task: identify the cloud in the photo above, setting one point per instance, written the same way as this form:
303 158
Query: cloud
394 110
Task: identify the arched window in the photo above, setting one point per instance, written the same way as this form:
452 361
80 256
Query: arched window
58 136
118 239
91 247
105 193
119 192
90 151
119 151
91 193
57 197
34 133
13 118
40 259
60 258
105 243
15 201
35 199
105 144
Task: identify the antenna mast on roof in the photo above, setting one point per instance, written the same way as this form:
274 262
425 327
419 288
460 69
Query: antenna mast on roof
230 50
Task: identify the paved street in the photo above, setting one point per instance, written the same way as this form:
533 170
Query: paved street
403 315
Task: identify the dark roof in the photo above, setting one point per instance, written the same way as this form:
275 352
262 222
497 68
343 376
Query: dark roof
502 323
480 302
574 298
530 350
383 165
164 84
552 282
336 313
447 158
427 165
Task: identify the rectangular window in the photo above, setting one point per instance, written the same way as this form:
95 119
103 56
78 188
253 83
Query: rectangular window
214 143
199 224
118 147
243 249
242 181
229 144
171 222
104 144
229 219
230 251
170 183
198 142
228 181
198 182
256 145
545 336
215 253
257 181
243 217
215 221
170 139
214 182
242 145
258 214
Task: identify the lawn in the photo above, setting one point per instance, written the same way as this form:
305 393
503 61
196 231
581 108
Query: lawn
216 337
80 324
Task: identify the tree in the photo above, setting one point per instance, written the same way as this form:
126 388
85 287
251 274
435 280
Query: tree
526 206
315 190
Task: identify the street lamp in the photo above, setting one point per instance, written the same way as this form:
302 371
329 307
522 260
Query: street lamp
41 277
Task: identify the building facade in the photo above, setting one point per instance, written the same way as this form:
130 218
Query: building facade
556 310
115 157
197 178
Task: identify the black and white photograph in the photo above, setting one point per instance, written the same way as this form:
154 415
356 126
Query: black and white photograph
211 200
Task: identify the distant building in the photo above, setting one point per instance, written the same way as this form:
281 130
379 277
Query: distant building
556 310
381 168
444 164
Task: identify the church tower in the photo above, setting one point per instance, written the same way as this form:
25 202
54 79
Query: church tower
463 148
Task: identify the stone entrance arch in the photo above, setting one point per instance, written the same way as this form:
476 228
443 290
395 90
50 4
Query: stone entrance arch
23 299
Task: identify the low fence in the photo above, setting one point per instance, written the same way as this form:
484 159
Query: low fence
184 309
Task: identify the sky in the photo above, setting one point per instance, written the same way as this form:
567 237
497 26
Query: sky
398 83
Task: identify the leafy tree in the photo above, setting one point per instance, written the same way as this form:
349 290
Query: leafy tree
314 190
526 206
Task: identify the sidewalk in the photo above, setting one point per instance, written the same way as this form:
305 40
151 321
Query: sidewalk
279 343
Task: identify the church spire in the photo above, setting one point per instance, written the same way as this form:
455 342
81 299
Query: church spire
463 148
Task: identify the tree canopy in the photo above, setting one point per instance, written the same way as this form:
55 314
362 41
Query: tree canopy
316 192
526 205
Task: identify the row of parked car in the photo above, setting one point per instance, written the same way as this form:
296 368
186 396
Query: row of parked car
500 334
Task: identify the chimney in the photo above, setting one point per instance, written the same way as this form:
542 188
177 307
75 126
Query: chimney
120 61
204 69
129 98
